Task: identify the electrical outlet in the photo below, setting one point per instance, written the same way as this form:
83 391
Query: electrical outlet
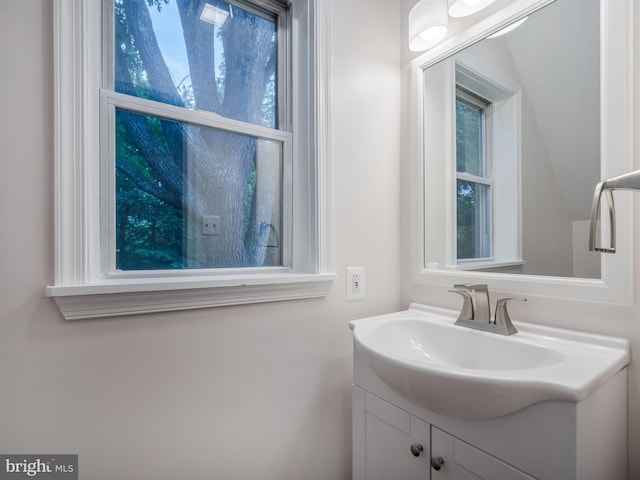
355 284
210 225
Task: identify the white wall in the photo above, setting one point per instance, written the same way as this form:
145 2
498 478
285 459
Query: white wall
602 318
260 391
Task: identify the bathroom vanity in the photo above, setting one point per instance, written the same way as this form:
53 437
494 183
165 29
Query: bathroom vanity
423 410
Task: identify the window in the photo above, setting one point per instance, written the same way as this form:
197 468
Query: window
487 158
177 189
472 167
473 183
197 185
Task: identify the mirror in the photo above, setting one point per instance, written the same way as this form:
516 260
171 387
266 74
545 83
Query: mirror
513 132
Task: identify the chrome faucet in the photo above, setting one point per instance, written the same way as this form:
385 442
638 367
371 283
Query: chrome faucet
476 310
480 301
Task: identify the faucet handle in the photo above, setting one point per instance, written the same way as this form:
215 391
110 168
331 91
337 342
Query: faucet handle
482 309
502 314
483 287
466 313
503 301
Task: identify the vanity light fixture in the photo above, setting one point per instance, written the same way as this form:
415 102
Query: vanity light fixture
428 22
463 8
429 19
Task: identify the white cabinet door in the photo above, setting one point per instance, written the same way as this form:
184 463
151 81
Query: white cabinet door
384 437
464 462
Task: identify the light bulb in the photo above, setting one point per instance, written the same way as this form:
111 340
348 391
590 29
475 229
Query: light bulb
428 22
433 34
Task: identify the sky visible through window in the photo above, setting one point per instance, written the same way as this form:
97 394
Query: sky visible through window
170 37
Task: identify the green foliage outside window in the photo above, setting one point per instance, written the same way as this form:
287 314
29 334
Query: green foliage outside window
170 174
472 198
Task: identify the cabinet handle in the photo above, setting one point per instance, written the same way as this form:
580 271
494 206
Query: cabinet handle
437 462
416 448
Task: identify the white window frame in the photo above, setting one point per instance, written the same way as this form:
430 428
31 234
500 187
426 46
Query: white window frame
81 290
484 179
503 161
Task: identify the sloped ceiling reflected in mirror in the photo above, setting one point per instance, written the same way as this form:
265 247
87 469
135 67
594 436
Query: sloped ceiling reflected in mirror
556 56
574 76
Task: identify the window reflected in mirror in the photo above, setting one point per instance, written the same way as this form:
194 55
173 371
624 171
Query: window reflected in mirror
473 183
513 147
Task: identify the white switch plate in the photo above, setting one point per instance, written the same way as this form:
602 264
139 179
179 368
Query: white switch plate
355 284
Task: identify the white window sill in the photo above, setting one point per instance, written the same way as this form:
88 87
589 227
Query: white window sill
111 298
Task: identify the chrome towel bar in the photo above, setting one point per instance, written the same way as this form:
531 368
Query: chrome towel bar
628 181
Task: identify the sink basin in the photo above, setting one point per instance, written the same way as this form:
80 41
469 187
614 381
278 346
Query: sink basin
472 374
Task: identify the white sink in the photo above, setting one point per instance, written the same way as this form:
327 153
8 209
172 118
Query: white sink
473 374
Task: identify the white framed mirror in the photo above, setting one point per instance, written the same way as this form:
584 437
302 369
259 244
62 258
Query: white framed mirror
509 137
